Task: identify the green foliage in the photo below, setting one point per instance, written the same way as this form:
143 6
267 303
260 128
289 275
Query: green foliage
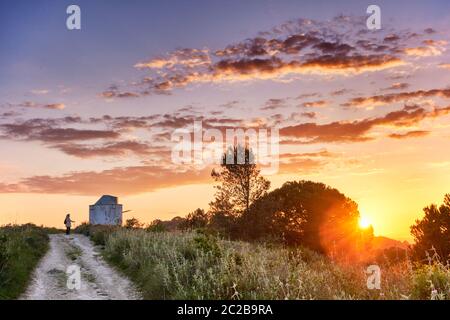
133 223
21 247
431 281
304 212
207 243
197 265
83 228
432 232
239 181
196 219
98 233
157 226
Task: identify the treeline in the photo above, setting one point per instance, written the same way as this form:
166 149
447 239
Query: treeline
304 213
298 213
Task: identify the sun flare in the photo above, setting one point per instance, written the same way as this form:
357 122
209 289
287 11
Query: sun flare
364 222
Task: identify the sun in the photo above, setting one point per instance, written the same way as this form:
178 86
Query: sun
364 222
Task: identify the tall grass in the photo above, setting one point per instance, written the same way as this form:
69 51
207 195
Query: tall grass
199 266
21 247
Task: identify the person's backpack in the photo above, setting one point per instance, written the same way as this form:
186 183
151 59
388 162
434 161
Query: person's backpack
65 220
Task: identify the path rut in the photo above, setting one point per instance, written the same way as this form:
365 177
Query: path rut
98 280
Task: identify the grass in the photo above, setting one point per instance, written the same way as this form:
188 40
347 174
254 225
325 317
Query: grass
73 253
21 248
199 266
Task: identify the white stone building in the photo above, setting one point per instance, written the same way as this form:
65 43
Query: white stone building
106 211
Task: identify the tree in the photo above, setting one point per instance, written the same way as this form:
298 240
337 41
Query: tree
196 219
307 213
133 223
156 225
222 218
240 182
432 232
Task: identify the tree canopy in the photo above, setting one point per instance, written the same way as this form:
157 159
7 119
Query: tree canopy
432 232
240 182
307 213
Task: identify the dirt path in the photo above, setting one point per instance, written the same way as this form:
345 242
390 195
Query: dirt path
98 280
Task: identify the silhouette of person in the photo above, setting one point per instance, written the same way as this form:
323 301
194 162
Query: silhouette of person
68 223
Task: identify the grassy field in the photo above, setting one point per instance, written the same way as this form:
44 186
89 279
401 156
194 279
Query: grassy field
21 247
197 266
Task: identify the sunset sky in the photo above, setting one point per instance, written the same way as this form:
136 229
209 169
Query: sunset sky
90 112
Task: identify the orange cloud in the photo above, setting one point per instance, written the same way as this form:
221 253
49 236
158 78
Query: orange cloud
431 48
122 180
356 131
312 104
396 97
291 49
410 134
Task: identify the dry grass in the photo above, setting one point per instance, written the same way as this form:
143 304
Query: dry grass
198 266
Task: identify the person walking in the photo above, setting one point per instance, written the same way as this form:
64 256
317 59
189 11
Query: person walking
68 223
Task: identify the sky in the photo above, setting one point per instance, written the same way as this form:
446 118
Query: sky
92 111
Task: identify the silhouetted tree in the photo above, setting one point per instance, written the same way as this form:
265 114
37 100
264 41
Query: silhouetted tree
133 223
240 182
307 213
196 219
433 231
157 225
222 218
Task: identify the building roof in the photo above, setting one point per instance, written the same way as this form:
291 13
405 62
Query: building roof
106 199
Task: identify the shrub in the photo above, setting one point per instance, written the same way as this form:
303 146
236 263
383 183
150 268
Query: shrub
197 265
431 282
97 233
21 248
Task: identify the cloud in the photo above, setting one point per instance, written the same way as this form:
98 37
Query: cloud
187 57
340 92
114 149
122 180
341 46
308 95
396 97
429 49
409 134
314 104
31 104
56 106
356 131
114 93
46 130
301 166
104 136
397 86
245 69
40 91
310 115
272 104
322 153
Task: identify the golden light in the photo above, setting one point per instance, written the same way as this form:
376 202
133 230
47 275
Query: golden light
364 222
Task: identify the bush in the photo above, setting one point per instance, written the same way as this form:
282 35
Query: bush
431 282
21 248
97 233
197 265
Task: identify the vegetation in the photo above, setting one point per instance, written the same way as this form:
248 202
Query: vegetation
299 213
198 265
240 182
21 247
308 213
300 241
432 232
